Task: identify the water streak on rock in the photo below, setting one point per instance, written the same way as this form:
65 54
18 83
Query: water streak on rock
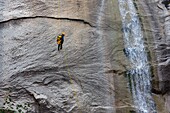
139 75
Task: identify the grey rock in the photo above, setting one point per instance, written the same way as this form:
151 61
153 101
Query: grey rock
66 81
159 20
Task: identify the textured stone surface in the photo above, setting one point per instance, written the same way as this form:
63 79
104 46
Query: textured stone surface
158 17
87 76
81 78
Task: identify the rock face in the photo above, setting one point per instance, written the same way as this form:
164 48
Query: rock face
79 78
158 15
87 75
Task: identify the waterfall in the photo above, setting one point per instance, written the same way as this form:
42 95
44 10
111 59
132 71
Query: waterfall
139 75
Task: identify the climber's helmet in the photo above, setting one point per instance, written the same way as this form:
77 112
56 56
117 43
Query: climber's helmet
63 33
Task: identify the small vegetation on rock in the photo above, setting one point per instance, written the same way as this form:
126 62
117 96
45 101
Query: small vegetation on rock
10 106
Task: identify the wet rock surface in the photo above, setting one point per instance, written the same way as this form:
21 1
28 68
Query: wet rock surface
158 17
78 79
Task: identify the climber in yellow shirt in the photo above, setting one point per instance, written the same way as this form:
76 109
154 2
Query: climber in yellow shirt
60 40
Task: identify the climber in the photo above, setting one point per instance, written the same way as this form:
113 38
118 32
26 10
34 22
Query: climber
59 42
62 39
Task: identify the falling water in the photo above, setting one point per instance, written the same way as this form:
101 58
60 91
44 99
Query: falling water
139 75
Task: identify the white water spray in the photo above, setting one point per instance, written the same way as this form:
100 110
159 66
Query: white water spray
139 75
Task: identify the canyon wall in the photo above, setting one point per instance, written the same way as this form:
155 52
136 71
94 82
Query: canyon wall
89 74
155 18
80 77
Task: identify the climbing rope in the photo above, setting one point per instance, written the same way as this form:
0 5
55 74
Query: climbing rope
66 62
